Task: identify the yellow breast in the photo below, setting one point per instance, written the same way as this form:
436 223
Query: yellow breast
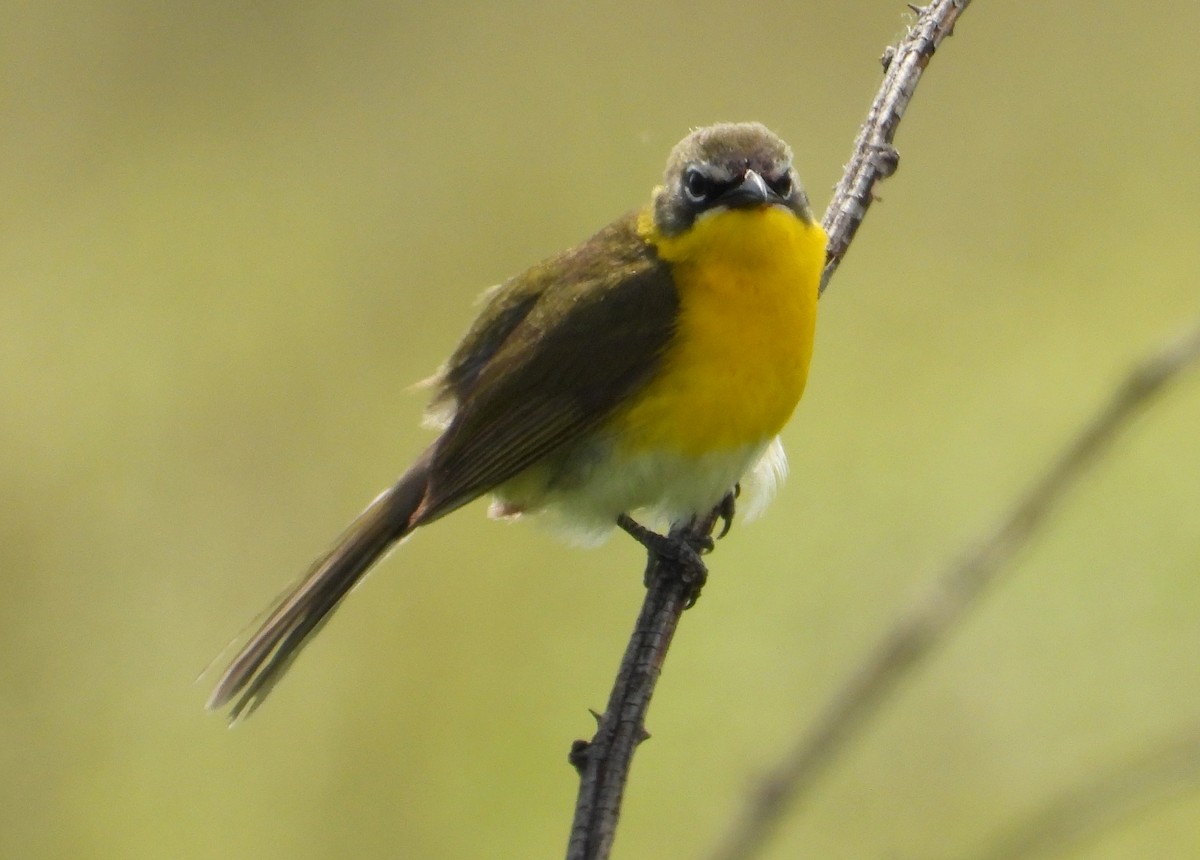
747 282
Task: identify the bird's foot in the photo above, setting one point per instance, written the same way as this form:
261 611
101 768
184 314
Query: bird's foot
680 548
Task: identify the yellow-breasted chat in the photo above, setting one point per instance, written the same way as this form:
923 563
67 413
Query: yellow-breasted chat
644 373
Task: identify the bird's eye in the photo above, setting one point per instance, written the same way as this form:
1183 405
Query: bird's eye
696 186
781 185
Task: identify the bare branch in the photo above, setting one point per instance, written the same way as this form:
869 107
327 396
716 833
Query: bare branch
874 156
603 762
956 590
1082 814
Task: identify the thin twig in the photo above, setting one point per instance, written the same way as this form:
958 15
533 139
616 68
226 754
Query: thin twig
874 156
1083 813
956 590
603 762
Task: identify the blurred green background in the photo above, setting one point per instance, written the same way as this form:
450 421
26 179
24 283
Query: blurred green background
233 234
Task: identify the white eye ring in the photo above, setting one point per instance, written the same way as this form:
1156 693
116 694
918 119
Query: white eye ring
696 186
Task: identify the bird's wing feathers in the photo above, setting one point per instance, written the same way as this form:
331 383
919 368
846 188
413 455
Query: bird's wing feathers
554 353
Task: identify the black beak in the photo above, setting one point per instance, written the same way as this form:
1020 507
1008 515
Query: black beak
750 193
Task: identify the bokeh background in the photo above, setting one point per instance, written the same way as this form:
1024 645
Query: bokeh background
232 235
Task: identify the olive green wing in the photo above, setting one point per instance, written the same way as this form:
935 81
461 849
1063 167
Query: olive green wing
555 352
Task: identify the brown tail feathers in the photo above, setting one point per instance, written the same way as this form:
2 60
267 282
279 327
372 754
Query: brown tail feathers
300 613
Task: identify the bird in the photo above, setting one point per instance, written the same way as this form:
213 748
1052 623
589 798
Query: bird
634 380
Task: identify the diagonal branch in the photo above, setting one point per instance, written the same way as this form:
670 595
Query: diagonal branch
603 763
874 156
955 591
1157 775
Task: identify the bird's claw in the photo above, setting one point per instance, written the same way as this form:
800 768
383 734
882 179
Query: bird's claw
726 508
680 548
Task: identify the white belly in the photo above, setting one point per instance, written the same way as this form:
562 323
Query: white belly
583 496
